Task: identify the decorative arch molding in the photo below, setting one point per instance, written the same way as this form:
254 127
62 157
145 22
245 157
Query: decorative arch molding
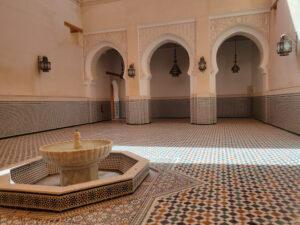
145 75
97 44
258 21
152 37
253 26
158 42
256 36
93 55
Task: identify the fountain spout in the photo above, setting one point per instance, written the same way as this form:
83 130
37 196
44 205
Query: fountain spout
77 143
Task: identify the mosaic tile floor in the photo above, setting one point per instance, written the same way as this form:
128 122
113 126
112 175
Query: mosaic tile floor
239 171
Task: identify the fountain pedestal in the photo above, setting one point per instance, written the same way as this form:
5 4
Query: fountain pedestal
77 161
75 175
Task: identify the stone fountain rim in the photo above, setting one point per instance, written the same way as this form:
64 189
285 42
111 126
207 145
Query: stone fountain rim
132 178
5 184
43 148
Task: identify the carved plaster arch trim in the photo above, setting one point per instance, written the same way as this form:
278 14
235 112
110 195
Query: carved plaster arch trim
93 55
158 42
253 34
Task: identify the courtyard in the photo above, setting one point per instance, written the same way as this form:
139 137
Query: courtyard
235 172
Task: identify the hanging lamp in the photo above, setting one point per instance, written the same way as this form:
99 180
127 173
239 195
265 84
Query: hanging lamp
235 68
175 71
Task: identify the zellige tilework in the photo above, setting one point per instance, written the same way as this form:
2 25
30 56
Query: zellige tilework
239 171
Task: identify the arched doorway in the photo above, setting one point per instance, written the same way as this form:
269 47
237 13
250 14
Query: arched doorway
259 109
155 47
170 95
235 85
105 69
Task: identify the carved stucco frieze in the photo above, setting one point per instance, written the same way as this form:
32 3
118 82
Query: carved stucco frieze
259 21
118 38
185 31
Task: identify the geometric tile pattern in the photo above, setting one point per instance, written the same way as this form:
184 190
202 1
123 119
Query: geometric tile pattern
54 199
239 171
23 117
171 140
123 210
232 194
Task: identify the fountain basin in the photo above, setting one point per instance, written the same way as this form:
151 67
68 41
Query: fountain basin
20 187
77 165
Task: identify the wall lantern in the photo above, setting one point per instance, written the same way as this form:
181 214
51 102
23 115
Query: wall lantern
43 64
202 64
131 71
285 45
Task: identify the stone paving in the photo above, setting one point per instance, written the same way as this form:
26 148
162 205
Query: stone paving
239 171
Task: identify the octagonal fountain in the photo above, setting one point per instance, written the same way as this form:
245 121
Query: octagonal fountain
72 174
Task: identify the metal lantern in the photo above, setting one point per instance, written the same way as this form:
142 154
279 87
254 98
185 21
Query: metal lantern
284 46
175 70
43 64
235 68
202 64
131 71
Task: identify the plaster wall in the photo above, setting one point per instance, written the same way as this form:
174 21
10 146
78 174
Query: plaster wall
43 33
231 6
121 85
281 105
115 14
33 28
123 13
284 71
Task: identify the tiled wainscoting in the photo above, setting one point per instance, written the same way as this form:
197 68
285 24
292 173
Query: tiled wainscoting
282 111
26 117
180 108
279 110
234 107
116 109
122 109
170 108
138 111
203 110
259 108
